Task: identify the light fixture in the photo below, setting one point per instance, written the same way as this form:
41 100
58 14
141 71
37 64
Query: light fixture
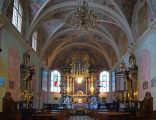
79 80
83 18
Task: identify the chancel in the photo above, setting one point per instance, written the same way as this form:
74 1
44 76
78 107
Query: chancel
77 59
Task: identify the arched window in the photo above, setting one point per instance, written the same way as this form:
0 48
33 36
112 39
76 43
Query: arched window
55 81
104 81
34 41
17 15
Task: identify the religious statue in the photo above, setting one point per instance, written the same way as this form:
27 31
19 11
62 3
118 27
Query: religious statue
26 59
93 103
67 102
132 61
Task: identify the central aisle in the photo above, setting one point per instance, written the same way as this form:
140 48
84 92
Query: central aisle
80 118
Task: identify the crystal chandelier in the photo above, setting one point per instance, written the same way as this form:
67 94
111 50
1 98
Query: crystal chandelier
83 18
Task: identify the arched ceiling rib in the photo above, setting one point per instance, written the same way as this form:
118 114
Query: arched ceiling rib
106 40
111 30
122 22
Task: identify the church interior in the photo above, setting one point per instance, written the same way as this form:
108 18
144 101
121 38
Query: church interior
77 59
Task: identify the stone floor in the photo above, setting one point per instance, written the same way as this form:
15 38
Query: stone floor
80 118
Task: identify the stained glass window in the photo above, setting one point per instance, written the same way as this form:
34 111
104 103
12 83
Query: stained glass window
55 81
104 81
17 15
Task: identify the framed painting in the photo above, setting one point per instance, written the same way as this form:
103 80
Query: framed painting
153 82
145 85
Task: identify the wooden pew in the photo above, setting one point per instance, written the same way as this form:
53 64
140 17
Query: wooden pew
51 115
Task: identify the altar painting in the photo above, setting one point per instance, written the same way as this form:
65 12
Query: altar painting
80 87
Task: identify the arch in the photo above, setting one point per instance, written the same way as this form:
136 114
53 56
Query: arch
61 48
5 5
152 4
109 41
138 6
122 22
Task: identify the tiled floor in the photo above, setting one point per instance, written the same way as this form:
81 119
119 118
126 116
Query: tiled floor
80 118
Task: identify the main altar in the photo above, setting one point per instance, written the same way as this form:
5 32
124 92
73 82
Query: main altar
80 76
80 82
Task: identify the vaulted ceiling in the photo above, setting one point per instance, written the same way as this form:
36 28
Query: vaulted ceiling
106 44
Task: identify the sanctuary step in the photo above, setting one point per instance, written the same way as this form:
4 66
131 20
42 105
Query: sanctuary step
80 118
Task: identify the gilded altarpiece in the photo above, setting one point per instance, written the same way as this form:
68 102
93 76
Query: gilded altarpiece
79 79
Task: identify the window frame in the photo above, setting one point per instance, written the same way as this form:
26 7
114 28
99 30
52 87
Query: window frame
104 77
17 15
34 41
53 88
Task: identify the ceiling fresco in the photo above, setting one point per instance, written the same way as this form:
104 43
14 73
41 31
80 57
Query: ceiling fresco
113 26
35 5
